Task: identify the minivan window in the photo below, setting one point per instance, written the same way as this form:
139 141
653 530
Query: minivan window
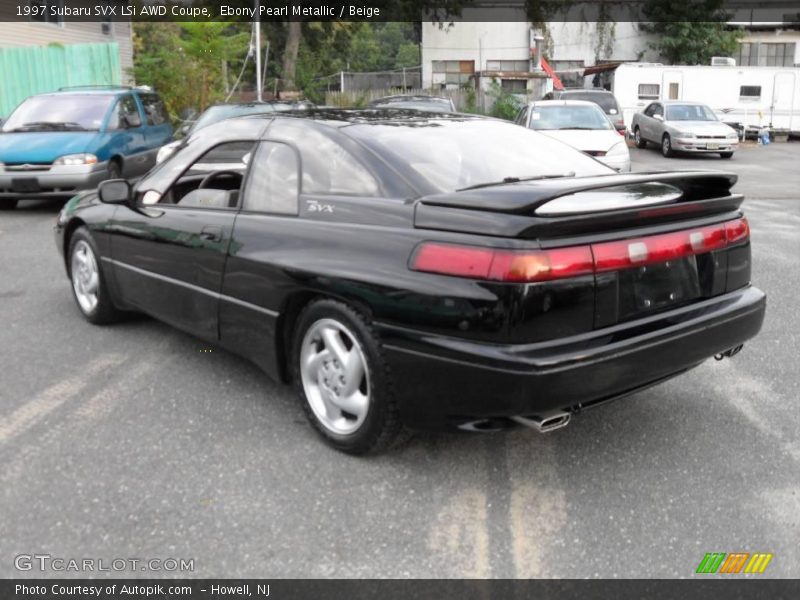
60 112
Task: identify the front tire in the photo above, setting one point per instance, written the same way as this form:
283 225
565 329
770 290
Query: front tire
343 379
726 154
638 139
88 284
666 146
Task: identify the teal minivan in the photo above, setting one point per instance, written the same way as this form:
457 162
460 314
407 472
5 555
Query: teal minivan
57 144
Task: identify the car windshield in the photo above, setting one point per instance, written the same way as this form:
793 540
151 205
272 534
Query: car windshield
568 117
690 112
605 101
60 112
452 154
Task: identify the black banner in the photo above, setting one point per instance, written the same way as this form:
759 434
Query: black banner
286 589
787 11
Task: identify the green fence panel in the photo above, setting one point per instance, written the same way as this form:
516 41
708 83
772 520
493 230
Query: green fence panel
38 69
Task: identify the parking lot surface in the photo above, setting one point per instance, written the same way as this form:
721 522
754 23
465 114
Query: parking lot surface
136 440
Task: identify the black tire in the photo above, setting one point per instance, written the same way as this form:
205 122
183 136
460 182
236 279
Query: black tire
104 311
726 154
666 146
638 139
8 204
381 425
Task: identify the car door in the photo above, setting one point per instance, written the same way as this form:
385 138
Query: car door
646 121
125 136
157 128
169 254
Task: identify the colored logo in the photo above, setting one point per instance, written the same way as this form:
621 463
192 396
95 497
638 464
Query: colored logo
736 562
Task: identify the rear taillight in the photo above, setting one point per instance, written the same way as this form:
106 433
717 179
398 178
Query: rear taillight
525 266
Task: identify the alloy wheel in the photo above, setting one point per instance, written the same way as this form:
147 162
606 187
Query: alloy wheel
335 376
85 276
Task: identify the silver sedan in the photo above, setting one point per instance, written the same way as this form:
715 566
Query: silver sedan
678 126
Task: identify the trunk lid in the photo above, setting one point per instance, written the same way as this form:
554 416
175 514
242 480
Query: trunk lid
620 218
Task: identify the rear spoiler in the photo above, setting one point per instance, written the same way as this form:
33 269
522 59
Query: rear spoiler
510 210
526 196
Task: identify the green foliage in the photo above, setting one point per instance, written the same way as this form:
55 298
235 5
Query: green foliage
506 105
183 61
690 33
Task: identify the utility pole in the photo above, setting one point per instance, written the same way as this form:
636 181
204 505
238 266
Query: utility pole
258 50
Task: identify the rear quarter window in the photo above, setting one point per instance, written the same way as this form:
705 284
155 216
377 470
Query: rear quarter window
327 168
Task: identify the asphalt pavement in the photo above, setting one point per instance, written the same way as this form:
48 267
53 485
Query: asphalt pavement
138 441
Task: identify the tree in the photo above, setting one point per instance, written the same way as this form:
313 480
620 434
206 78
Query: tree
183 61
690 33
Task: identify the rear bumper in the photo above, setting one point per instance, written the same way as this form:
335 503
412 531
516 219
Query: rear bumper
58 182
446 381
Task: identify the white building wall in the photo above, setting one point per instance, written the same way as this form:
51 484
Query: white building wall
593 42
776 37
475 41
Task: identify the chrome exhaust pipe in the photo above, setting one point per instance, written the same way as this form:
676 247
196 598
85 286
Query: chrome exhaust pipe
544 424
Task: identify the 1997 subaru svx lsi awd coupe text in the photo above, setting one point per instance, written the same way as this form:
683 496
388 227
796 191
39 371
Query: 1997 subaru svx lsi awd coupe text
421 270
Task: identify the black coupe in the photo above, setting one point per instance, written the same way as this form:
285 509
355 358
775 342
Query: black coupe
421 270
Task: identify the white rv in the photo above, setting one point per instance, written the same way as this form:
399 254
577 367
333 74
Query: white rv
755 97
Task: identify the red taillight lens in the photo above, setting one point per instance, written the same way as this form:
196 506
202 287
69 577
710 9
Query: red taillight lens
543 265
737 231
502 265
523 266
613 256
461 261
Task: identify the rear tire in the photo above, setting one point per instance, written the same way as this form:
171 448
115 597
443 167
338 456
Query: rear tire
343 379
666 146
8 204
726 154
638 139
88 284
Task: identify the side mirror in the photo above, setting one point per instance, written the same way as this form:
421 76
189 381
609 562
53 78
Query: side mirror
133 120
115 191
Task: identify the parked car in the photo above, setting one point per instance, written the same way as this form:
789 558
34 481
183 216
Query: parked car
678 126
421 271
220 112
54 145
603 98
583 125
425 103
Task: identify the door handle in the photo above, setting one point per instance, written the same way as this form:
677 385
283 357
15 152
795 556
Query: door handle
211 234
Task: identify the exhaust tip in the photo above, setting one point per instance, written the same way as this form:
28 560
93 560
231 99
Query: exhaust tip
544 424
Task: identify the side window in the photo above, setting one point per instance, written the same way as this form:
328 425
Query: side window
650 110
522 117
658 110
125 114
273 185
212 181
154 109
327 168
